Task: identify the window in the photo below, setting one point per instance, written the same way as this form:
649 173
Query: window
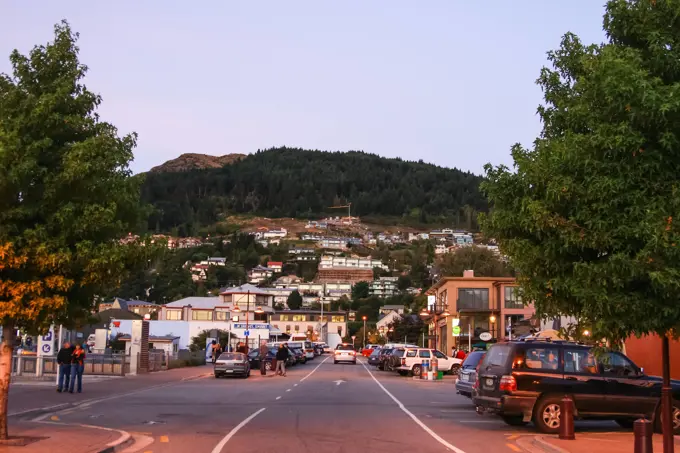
411 353
337 318
201 315
288 329
297 328
260 317
135 310
439 355
221 315
276 326
579 361
512 299
424 353
284 318
473 298
339 330
542 358
173 315
299 318
497 356
614 364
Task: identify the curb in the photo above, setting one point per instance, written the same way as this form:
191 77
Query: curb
125 441
542 443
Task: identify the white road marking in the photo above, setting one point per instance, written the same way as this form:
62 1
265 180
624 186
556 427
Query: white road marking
278 397
339 381
317 367
434 435
295 385
218 448
287 390
141 441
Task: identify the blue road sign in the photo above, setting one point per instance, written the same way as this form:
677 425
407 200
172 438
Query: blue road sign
46 348
246 333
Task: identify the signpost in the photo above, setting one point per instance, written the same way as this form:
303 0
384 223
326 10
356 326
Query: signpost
485 336
353 338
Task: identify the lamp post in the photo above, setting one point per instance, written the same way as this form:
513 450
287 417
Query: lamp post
492 319
364 318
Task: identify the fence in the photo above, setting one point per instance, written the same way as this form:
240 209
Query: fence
95 364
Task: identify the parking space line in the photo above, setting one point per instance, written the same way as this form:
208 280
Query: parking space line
429 431
218 448
164 439
513 447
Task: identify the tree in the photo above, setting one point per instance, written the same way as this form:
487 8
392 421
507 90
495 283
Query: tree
588 217
66 196
479 259
404 282
409 328
294 300
198 342
360 290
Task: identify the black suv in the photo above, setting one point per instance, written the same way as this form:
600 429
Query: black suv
525 381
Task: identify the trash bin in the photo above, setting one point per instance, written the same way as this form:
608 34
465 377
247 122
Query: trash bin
424 368
440 375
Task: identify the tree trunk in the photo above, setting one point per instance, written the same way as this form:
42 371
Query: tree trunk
6 349
666 399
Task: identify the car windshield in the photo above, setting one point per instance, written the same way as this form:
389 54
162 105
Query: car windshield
345 347
498 355
232 356
473 359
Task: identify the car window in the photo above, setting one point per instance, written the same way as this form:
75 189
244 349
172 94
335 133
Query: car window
231 356
398 353
542 358
614 364
375 353
579 361
344 347
439 355
473 359
411 353
424 353
498 355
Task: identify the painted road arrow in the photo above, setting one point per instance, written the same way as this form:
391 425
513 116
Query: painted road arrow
339 381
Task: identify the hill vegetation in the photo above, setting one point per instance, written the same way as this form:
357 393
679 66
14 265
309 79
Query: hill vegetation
286 182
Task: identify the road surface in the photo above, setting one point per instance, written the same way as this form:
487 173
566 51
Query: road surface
318 407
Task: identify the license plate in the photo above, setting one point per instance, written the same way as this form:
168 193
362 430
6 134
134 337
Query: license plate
230 371
489 382
464 377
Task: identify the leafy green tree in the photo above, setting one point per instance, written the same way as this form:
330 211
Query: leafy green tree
407 327
483 261
360 290
294 300
589 215
404 282
66 196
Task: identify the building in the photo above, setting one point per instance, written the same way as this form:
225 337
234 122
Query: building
247 298
384 287
385 320
310 322
477 305
334 243
345 275
328 262
138 307
386 309
276 266
169 344
258 274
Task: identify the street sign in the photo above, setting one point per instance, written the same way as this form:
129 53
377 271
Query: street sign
246 333
354 337
46 343
485 336
456 331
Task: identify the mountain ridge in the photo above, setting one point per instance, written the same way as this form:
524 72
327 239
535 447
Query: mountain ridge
196 161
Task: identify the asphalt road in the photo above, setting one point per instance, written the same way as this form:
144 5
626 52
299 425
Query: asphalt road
318 407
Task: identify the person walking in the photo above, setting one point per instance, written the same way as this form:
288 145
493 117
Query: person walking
281 356
77 368
213 351
264 350
64 363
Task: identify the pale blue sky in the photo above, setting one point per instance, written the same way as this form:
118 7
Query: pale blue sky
450 82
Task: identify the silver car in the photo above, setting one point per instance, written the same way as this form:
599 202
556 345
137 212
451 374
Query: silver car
232 364
345 353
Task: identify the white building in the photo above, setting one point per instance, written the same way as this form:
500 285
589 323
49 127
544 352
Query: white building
384 322
258 274
383 287
329 262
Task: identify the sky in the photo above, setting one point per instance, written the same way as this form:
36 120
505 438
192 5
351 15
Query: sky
451 82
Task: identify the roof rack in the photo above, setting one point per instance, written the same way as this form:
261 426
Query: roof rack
549 340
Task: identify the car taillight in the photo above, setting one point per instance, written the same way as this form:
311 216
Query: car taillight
508 384
354 353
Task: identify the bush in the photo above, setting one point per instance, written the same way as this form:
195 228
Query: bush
176 364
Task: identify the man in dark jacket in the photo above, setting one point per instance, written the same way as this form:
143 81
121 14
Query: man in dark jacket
64 362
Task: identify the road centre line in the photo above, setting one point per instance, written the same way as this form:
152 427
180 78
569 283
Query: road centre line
287 390
218 448
434 435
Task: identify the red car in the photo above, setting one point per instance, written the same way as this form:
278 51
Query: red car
368 350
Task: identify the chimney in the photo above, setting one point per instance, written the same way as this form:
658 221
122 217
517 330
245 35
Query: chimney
469 273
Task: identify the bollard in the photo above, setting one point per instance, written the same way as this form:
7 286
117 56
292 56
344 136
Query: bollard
567 418
642 435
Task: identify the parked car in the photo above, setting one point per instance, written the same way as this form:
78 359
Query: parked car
368 349
384 357
254 359
467 376
525 381
394 359
344 353
233 364
300 356
374 358
412 358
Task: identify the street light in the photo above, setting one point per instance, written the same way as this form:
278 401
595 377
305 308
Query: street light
492 319
364 318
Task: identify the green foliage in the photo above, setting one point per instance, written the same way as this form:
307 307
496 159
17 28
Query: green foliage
360 290
294 300
588 215
483 261
198 342
407 327
404 282
287 182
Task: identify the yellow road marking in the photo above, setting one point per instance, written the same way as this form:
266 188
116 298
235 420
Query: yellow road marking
164 439
513 437
513 447
54 417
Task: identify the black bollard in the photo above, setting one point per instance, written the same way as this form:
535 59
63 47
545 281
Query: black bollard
642 433
567 418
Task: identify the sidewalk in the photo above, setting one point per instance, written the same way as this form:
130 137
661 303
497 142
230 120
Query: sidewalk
55 437
601 442
27 400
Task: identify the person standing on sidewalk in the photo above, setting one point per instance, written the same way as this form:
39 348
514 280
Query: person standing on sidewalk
281 356
264 350
77 368
64 363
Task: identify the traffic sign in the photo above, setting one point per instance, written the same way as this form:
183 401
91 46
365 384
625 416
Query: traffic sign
456 331
246 333
354 337
47 349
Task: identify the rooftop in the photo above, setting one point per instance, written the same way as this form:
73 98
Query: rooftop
245 289
151 338
196 302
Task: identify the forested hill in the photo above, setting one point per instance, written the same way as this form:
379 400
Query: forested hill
287 182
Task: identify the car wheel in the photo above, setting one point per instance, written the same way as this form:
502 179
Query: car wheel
417 370
217 375
675 417
268 366
547 415
455 368
403 373
514 420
